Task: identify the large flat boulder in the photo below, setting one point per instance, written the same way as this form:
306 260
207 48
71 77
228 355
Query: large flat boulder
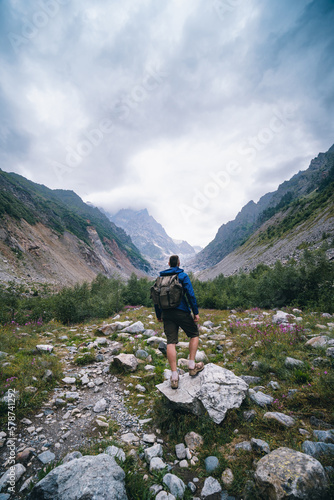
215 390
94 477
288 474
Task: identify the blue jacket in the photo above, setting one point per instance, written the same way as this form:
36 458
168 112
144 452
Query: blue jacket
188 289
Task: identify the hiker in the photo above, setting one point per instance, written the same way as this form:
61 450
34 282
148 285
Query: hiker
180 316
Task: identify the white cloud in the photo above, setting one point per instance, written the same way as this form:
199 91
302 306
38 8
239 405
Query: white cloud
148 104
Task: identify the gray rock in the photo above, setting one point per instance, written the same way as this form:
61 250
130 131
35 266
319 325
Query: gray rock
250 380
153 451
227 477
274 385
129 438
94 477
289 474
163 348
164 495
244 445
149 438
44 347
69 380
115 452
293 363
316 422
157 463
154 341
318 449
282 317
330 352
214 389
128 362
249 415
208 324
137 327
141 354
19 470
260 445
280 418
320 341
180 451
211 486
71 456
260 398
46 457
193 440
100 406
175 484
324 436
211 463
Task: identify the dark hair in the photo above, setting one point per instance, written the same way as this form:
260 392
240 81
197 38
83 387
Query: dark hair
173 260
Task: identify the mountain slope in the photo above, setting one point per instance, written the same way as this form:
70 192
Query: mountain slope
305 223
30 212
149 236
233 234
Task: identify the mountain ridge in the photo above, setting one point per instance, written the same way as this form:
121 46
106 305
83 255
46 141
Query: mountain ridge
234 233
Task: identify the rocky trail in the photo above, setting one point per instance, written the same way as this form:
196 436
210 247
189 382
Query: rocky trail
103 409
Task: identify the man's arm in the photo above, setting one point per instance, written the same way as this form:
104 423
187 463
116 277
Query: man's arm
189 291
158 312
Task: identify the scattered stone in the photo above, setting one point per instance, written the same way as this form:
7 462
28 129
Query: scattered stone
288 474
137 327
260 445
175 485
154 341
46 457
44 348
99 381
72 395
324 436
316 422
129 438
282 317
193 440
260 398
163 348
180 451
153 451
249 415
100 406
157 463
274 385
249 379
127 362
149 438
318 449
71 456
69 380
214 389
140 388
141 354
115 452
227 477
211 463
320 341
293 363
19 470
245 445
280 418
330 352
87 477
211 486
200 356
164 495
208 324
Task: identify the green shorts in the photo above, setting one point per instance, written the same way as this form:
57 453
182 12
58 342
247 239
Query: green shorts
175 318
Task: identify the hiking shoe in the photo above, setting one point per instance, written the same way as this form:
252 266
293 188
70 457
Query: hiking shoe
198 368
174 383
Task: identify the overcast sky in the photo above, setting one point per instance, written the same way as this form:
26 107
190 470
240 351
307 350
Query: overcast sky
189 108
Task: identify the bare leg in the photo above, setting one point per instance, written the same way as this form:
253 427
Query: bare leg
171 356
193 345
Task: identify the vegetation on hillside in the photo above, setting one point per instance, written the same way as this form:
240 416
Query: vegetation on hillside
62 211
308 284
